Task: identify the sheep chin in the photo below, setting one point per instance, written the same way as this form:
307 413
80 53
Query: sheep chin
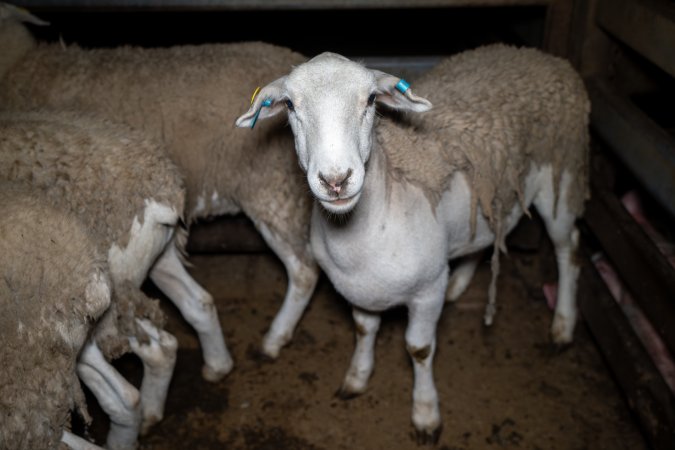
340 206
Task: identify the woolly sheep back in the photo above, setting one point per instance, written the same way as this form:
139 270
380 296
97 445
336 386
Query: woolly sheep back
102 171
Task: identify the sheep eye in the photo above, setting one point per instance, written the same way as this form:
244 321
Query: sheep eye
371 99
289 105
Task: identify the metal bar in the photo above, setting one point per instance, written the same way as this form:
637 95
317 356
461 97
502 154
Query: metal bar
641 266
646 391
264 4
646 149
646 26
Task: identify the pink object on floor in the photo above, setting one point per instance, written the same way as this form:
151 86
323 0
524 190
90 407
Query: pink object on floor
551 294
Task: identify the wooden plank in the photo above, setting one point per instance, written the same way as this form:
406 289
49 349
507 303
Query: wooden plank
646 149
646 391
641 266
646 26
265 4
557 31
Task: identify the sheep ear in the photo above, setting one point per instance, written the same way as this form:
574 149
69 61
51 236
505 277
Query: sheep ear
266 103
8 11
396 93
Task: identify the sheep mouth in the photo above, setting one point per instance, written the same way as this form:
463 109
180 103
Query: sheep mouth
340 205
340 201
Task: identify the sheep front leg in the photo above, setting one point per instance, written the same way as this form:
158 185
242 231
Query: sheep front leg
420 337
196 306
363 360
159 359
77 443
302 280
303 274
117 397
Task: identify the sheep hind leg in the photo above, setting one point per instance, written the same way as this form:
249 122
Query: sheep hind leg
565 237
197 307
564 321
159 359
462 275
423 314
302 279
363 360
117 397
77 443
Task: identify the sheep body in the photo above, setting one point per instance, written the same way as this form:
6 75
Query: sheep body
208 82
395 201
53 287
102 171
481 112
125 190
187 97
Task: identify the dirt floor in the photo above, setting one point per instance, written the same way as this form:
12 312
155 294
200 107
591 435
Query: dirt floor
502 387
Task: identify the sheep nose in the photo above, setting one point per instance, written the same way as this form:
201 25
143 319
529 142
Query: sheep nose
335 183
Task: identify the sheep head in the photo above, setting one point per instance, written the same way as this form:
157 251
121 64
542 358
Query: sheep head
330 102
9 12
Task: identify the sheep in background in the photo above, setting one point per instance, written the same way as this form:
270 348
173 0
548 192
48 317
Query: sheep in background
187 98
15 38
124 189
54 285
396 201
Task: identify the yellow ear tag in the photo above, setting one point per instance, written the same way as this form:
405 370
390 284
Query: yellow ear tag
254 94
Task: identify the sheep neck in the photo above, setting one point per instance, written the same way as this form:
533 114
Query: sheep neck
376 195
369 255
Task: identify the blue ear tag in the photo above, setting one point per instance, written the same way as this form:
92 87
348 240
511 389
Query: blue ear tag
266 103
402 86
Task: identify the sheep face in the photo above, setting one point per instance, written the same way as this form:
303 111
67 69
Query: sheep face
330 102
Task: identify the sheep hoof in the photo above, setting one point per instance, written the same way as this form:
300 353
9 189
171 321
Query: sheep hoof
559 347
149 422
270 352
344 393
428 437
214 375
258 355
562 330
265 357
